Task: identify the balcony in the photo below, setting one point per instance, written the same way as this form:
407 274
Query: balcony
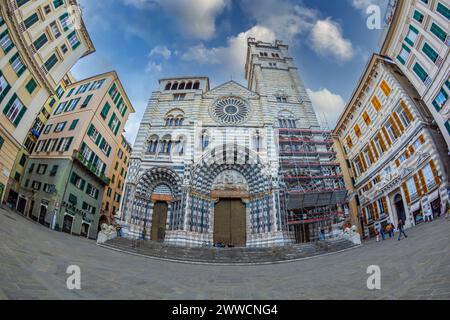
91 167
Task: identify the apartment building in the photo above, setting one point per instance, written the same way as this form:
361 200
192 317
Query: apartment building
418 40
40 41
13 188
67 173
118 173
397 156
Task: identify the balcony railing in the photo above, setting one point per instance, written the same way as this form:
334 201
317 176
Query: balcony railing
91 167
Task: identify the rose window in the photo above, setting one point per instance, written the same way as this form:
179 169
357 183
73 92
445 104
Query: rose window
230 110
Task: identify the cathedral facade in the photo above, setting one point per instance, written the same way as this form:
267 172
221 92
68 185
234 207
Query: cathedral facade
205 168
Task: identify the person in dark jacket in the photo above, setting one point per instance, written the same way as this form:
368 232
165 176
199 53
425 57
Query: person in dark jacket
401 230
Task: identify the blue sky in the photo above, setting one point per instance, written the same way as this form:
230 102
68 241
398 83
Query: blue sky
145 40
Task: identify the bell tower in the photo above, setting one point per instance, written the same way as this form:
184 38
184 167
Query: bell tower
270 71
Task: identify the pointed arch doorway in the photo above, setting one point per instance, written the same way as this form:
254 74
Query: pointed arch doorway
230 222
230 188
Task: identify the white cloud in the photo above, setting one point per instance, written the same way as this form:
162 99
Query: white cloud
195 18
327 39
232 56
161 51
153 66
327 104
364 4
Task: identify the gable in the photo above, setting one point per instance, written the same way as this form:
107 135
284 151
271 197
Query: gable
231 88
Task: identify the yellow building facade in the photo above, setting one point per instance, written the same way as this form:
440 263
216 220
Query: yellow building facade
40 41
393 150
113 193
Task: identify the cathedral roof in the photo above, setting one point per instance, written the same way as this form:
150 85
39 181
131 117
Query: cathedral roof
232 88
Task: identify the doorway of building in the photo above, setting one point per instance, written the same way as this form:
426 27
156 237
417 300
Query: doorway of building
67 224
42 214
400 208
302 233
30 210
159 219
21 204
230 223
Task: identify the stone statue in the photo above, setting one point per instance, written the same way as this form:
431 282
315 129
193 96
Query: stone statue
351 234
107 232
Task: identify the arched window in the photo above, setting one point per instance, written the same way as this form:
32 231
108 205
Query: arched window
189 85
181 86
168 85
169 121
179 146
257 141
175 86
205 140
152 144
196 85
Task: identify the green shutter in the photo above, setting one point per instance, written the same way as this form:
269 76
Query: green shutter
442 9
91 130
117 128
86 101
102 143
113 117
124 111
9 104
31 85
99 138
438 32
421 73
418 16
429 51
74 124
105 110
111 90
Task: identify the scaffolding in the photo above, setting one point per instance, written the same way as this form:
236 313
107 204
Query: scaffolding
313 180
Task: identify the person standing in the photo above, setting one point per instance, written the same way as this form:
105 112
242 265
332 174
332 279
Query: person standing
447 210
401 230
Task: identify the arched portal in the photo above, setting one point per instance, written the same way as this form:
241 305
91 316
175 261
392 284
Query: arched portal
228 181
230 216
400 208
156 205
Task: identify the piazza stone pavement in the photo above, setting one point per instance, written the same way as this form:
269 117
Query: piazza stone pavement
34 260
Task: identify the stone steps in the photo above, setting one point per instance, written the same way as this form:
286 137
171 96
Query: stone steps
226 255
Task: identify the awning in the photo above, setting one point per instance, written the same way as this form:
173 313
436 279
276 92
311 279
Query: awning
415 206
433 196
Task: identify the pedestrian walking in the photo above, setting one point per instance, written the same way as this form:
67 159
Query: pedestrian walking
447 211
428 214
382 233
401 229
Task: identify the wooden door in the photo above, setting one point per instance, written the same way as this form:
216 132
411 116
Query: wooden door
230 222
158 231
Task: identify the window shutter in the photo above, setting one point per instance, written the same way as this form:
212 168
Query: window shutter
405 190
363 162
392 122
411 149
422 139
386 136
91 130
376 103
102 143
385 207
372 159
397 163
399 123
20 116
372 143
99 138
382 144
117 128
417 184
406 110
435 172
423 182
